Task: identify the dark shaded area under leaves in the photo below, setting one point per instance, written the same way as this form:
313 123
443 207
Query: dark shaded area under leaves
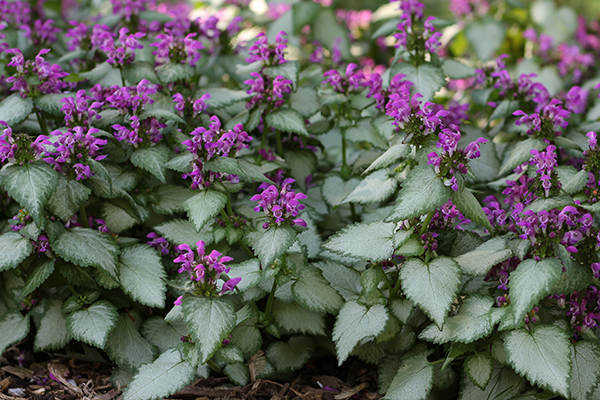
24 375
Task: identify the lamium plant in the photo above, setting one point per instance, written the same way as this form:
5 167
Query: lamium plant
236 192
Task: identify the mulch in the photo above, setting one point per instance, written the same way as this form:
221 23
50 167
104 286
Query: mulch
24 375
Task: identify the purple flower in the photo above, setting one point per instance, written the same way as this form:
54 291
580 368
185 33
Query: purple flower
576 100
261 50
280 205
352 81
78 34
187 108
230 284
42 34
177 50
124 53
82 171
159 243
78 112
267 91
127 8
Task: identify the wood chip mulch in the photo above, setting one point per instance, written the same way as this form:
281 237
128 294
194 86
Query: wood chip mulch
63 378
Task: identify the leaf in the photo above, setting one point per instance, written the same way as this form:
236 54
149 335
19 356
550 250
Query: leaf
542 355
14 248
469 206
67 198
209 322
93 324
37 276
165 376
179 231
118 215
174 72
170 199
249 271
335 189
426 78
457 70
374 188
287 120
421 192
98 73
142 275
530 282
471 323
292 355
504 383
221 97
181 163
413 380
251 172
343 279
51 102
204 206
138 70
312 291
479 368
354 323
293 318
370 241
521 153
302 164
271 243
160 113
247 337
237 373
432 286
306 101
14 109
479 261
391 155
577 182
486 36
52 331
288 70
126 346
365 131
585 359
504 109
13 328
88 247
152 159
162 334
31 185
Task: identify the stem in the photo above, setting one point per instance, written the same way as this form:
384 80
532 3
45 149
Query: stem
249 252
229 208
353 212
395 289
269 307
73 291
278 142
387 281
214 366
426 223
224 215
344 164
84 218
41 121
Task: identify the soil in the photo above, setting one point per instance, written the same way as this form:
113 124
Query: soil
41 376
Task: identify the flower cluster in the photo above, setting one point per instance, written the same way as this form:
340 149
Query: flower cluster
77 110
43 32
213 142
124 53
269 54
71 148
142 133
205 270
159 243
548 123
48 77
280 205
267 91
413 37
175 49
128 8
452 164
18 149
351 82
187 108
381 96
545 161
584 310
501 271
131 99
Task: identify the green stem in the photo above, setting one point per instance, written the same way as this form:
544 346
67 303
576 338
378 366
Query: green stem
249 252
224 215
214 366
344 164
41 121
395 289
426 223
73 291
278 142
387 281
353 212
269 307
229 208
83 215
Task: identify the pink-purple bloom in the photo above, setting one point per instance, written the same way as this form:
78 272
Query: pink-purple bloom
280 205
